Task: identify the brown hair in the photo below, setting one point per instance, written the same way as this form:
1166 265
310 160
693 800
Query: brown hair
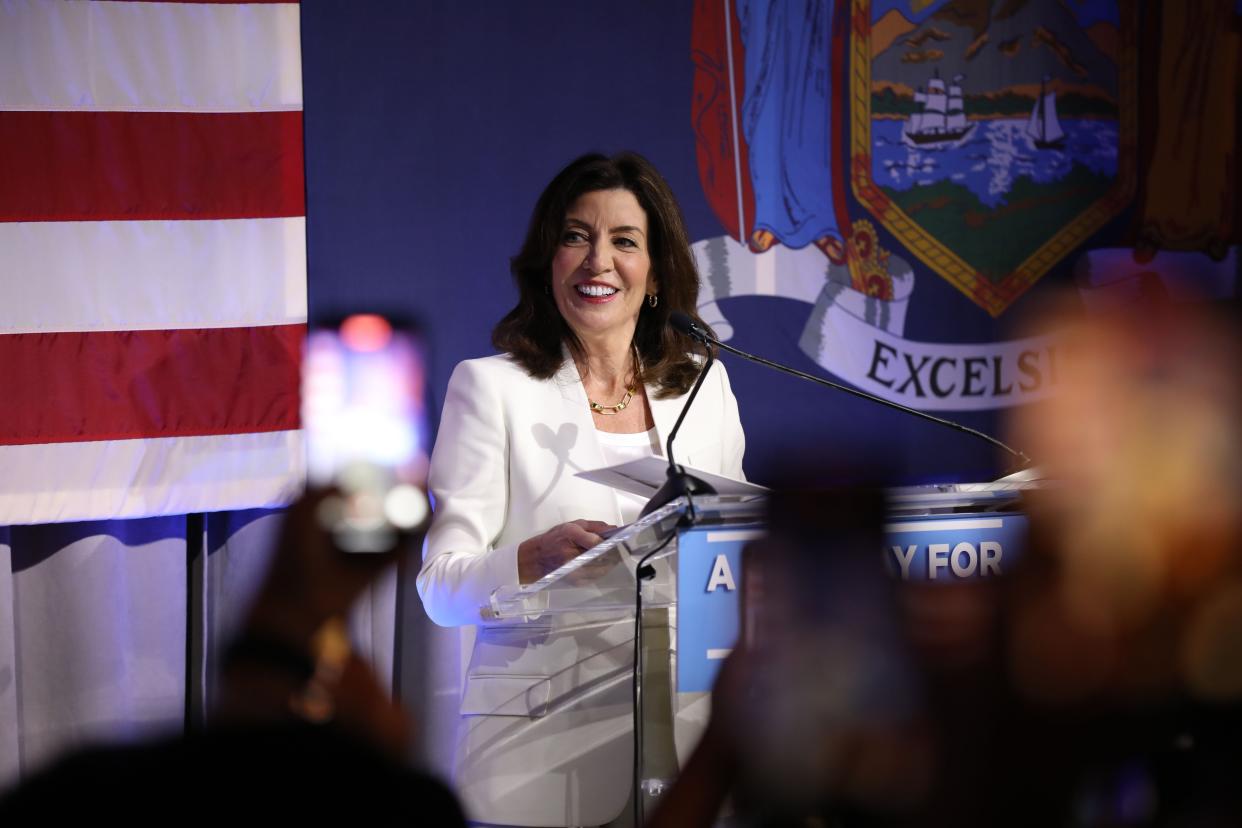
533 332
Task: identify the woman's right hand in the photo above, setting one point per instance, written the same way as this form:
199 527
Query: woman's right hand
544 553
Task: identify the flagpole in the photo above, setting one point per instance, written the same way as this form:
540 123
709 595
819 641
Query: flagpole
737 155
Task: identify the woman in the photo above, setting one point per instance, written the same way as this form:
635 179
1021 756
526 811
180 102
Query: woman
591 375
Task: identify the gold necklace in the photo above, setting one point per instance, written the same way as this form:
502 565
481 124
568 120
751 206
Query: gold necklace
596 408
612 409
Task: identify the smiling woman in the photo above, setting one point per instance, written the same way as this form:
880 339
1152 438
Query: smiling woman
590 358
601 273
535 331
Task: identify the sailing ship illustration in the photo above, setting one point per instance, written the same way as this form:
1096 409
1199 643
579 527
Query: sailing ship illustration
1043 127
942 119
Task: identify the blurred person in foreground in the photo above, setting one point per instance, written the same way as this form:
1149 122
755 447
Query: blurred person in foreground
1099 683
1126 628
590 375
303 732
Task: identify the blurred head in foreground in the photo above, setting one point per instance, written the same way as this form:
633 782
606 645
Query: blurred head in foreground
1098 683
1140 592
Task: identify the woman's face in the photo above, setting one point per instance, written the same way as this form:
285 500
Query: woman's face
601 273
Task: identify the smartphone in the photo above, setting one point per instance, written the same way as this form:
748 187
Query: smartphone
364 414
816 569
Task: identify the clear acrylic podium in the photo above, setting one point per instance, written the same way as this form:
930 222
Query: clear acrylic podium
947 532
601 584
601 581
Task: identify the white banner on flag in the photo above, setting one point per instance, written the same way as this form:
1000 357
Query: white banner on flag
860 338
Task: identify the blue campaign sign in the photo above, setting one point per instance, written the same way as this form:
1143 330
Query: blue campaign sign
709 575
949 547
954 547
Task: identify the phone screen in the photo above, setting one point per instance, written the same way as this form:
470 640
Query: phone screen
365 417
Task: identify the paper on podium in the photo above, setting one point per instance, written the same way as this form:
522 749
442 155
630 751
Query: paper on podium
644 476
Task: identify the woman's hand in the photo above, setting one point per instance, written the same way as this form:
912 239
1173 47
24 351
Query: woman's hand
544 553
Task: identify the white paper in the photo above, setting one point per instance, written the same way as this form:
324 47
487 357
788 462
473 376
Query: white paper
644 476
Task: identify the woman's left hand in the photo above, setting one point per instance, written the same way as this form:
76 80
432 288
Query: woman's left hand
545 553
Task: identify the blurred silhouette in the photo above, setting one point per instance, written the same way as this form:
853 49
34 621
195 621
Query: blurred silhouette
1099 683
304 730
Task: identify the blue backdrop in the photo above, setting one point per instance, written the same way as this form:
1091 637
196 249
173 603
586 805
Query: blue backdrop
432 127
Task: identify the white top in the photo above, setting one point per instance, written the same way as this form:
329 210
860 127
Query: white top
622 448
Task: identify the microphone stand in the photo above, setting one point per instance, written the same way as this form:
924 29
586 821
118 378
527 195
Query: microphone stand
1021 458
680 482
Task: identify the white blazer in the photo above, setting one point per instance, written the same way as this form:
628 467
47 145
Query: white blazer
545 732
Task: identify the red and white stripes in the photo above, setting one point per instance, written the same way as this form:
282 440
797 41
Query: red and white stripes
152 257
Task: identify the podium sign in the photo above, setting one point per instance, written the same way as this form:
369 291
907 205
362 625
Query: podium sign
943 547
949 533
708 576
953 547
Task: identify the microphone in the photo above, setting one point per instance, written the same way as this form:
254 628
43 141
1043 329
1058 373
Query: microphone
688 326
680 482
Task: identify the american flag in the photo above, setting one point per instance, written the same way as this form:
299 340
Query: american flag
152 258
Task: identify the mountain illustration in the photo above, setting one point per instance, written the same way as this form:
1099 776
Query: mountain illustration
886 30
1001 47
974 15
1105 36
